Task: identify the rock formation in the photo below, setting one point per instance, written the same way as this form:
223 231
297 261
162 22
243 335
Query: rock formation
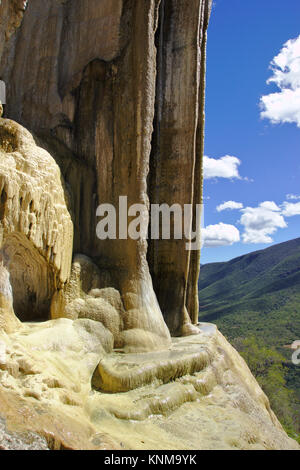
177 150
104 74
8 321
198 395
20 441
36 229
11 15
105 98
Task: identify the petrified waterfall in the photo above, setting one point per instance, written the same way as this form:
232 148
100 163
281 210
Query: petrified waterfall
114 90
99 342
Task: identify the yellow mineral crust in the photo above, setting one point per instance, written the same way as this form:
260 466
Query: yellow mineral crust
36 229
121 373
198 395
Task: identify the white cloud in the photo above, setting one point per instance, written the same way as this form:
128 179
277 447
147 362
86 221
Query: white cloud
286 65
270 205
284 106
291 209
257 237
229 205
292 197
261 222
225 167
220 235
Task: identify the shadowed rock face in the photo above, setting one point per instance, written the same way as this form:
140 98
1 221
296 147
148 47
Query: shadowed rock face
11 14
115 92
177 149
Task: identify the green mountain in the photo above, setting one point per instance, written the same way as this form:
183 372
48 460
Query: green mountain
257 293
255 301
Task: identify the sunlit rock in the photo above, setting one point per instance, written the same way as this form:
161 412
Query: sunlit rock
8 321
36 229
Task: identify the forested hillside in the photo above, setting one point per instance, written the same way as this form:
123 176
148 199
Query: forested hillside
255 301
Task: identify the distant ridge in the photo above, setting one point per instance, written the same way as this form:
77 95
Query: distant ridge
258 296
255 288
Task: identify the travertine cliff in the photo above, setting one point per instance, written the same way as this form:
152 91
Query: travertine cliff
92 79
105 98
36 231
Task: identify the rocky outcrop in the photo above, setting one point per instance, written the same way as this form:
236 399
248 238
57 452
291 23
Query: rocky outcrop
105 75
177 150
82 298
36 231
45 374
20 441
198 395
8 321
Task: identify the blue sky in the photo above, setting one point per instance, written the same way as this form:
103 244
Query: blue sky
243 39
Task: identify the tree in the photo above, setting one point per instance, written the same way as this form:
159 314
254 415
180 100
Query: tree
268 367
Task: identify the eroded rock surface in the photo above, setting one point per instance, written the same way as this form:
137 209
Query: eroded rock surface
8 321
36 230
201 395
45 377
11 15
20 441
177 150
104 75
82 298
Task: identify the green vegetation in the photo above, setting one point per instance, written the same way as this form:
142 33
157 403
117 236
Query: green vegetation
255 301
269 368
